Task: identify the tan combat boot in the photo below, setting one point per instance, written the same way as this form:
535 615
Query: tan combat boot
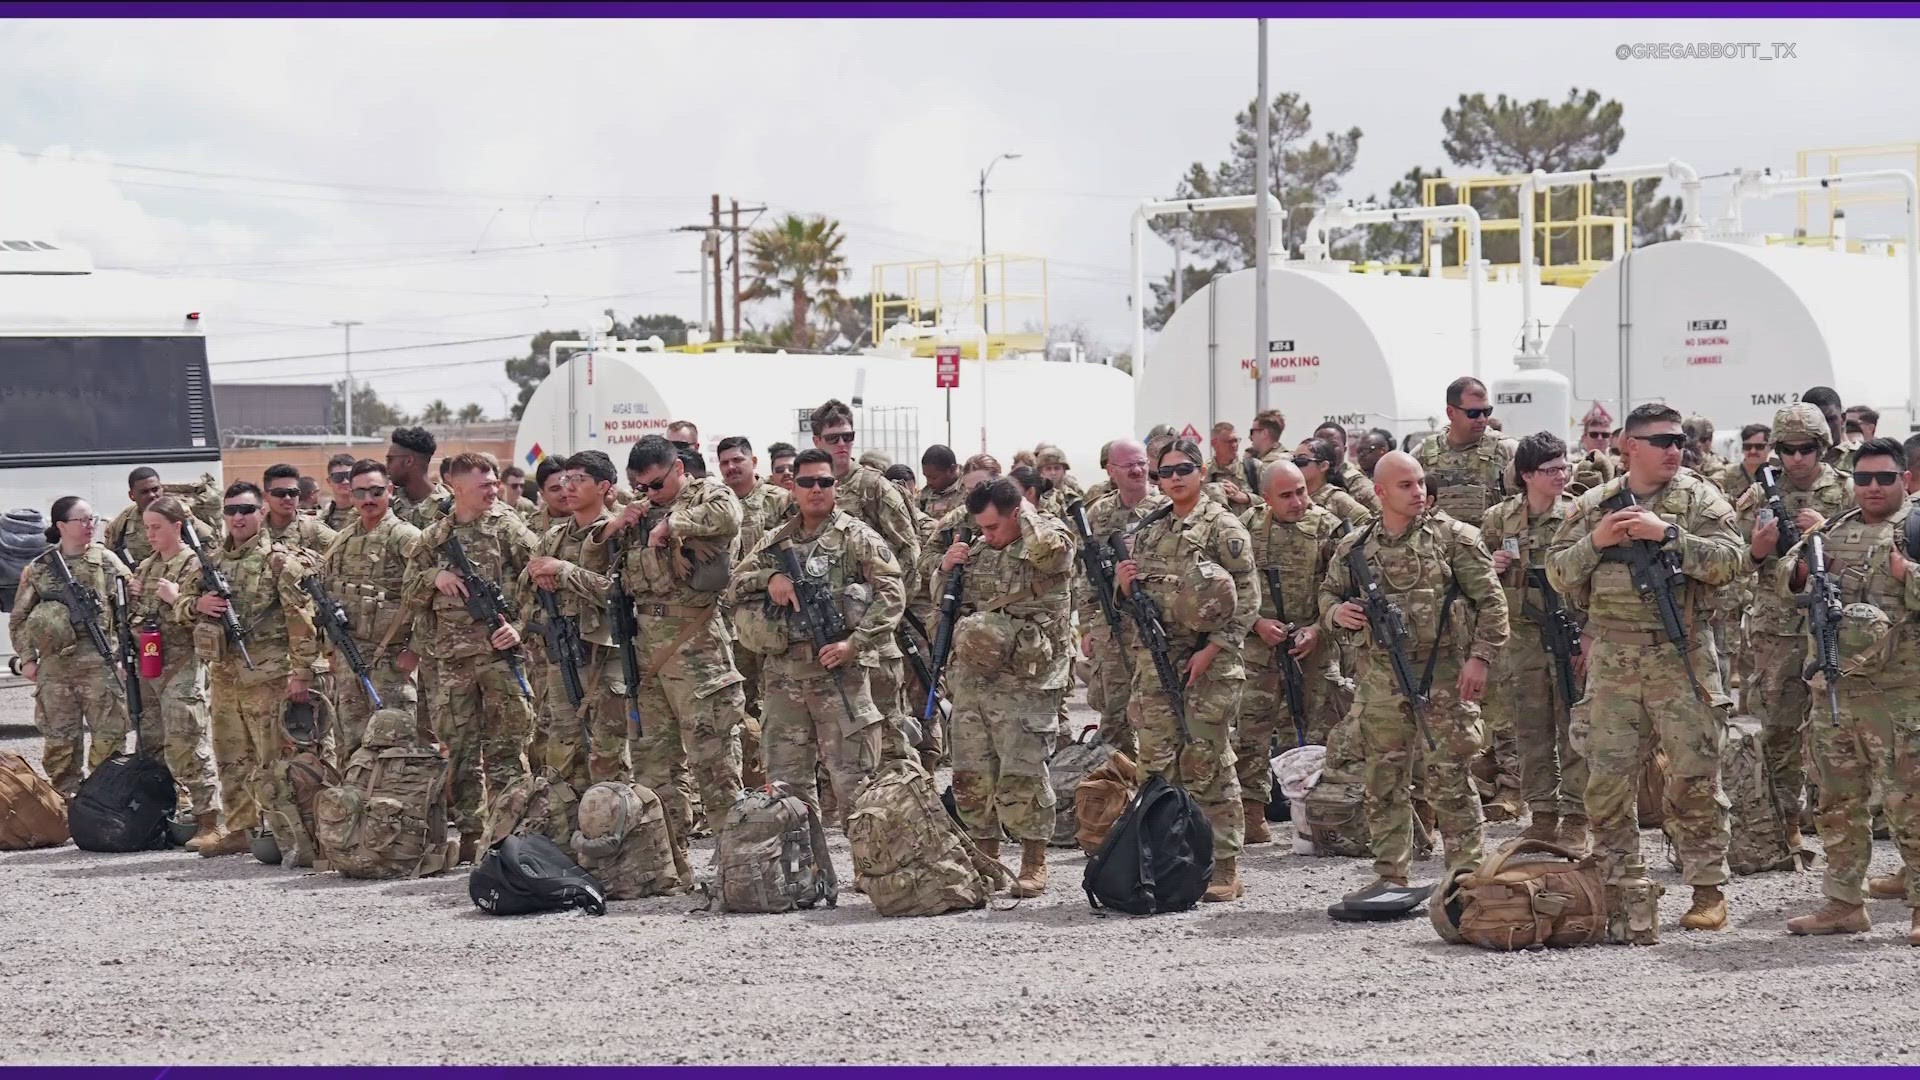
1574 833
1226 882
1544 826
1033 869
232 842
1709 909
989 848
1891 887
1838 917
209 831
1257 831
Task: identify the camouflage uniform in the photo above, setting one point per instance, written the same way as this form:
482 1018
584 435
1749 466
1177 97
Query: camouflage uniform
1342 506
1112 674
126 534
1637 687
423 513
760 511
1777 629
1470 478
691 704
1013 662
1181 562
1416 570
601 716
337 515
804 721
1359 486
1298 552
867 495
174 712
305 532
1590 470
75 689
1876 740
366 571
476 708
935 504
276 615
1523 692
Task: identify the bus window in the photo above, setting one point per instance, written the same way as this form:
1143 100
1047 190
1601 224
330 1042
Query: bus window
104 401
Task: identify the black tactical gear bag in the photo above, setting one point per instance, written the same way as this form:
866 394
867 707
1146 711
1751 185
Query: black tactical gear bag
525 874
127 804
1157 857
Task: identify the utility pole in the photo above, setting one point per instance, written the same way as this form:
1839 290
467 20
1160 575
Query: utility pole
347 326
735 229
710 254
1261 230
984 173
719 310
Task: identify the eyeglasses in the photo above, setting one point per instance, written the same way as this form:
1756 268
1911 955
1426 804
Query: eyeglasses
577 479
1869 479
87 521
364 493
783 470
1554 470
1754 447
1667 441
1303 462
285 493
1478 414
1168 472
680 443
844 438
339 477
814 481
239 509
1799 449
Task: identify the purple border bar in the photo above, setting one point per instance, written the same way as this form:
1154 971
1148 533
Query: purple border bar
996 1072
943 9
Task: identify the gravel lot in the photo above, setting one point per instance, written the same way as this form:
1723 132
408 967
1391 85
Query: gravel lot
165 957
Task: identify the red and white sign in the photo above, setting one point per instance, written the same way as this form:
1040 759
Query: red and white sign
946 368
1190 432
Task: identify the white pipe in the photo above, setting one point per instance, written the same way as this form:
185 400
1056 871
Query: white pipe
1753 185
1262 235
1347 217
1160 208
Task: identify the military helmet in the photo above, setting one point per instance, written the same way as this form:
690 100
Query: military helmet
1052 455
390 727
1864 630
1204 601
983 641
1801 421
307 722
607 811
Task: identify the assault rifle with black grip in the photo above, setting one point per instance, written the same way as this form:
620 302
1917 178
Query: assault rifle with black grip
1789 529
819 616
129 654
1658 579
1822 601
1389 629
1292 680
626 631
564 650
215 582
1097 560
487 604
1559 635
83 606
1153 632
331 619
910 625
943 634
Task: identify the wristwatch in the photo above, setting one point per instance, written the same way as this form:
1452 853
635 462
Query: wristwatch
1673 533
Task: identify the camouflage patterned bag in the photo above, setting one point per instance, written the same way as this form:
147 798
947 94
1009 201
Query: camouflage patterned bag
623 841
1758 840
387 818
772 856
294 790
533 804
1102 798
1337 819
1068 766
909 856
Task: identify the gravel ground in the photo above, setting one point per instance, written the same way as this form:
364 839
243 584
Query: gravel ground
256 964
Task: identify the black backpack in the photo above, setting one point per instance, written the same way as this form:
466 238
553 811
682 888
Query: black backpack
127 804
525 874
1157 857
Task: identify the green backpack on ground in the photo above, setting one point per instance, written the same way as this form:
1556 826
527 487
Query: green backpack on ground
909 855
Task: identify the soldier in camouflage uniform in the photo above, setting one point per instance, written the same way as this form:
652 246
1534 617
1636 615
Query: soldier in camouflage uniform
1699 432
1827 401
675 544
1318 460
1195 560
337 510
76 689
549 478
1525 695
1227 468
416 495
922 603
762 506
365 569
1592 464
806 724
276 617
1813 493
1292 540
1051 462
286 524
1012 664
1110 687
1352 480
1263 439
513 484
1425 563
1872 742
1729 623
174 710
868 496
477 706
942 490
126 534
1638 684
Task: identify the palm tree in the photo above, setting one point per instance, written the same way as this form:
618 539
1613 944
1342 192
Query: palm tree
472 413
800 259
437 412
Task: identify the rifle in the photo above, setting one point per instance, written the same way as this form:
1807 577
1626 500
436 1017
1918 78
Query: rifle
819 616
1097 560
1389 629
1657 577
487 604
215 582
1769 481
1292 679
1153 632
626 631
129 656
1559 635
562 635
1822 602
943 636
1250 468
331 619
911 650
83 607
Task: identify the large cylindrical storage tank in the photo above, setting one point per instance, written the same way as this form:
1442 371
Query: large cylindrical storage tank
1365 350
1733 331
609 400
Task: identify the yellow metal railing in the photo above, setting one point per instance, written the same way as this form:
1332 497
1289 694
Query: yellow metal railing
1822 161
996 292
1445 190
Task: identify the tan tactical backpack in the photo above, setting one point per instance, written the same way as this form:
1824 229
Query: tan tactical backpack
1101 798
292 814
909 855
623 841
1507 905
32 813
1758 829
544 804
772 855
387 818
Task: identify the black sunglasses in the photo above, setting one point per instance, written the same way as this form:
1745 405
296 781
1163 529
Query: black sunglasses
844 438
1869 479
1759 446
285 493
239 509
1168 472
655 486
368 492
1478 414
1668 441
1303 462
814 481
1799 449
339 477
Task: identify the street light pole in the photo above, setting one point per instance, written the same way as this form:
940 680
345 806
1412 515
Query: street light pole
347 325
984 173
1262 229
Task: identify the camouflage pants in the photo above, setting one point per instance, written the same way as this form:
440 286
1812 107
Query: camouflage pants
175 719
1003 732
1523 694
483 718
751 667
537 745
690 724
1393 747
1876 741
805 730
1206 766
1779 698
353 708
1264 714
75 694
1634 693
888 683
249 737
605 720
1114 684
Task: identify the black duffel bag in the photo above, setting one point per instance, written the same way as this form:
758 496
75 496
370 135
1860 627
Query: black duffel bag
127 804
1157 857
521 875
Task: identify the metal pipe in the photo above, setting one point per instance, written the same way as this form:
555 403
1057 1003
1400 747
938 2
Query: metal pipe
1347 217
1261 230
1154 208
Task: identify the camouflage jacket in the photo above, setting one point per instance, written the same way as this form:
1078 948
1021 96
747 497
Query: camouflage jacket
498 544
1590 470
126 535
582 594
1734 480
305 531
1512 520
1469 478
760 510
1415 570
1711 554
1359 487
859 569
366 571
1297 552
869 496
275 613
423 513
39 623
1830 496
1027 581
684 582
542 520
1107 515
176 627
1176 555
1343 505
1883 650
337 515
935 504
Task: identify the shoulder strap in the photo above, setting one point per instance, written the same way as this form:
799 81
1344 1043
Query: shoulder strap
1911 534
1446 612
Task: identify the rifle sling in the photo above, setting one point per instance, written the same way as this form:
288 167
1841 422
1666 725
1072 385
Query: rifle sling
1439 636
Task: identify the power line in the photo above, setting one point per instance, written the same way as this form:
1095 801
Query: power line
359 376
386 349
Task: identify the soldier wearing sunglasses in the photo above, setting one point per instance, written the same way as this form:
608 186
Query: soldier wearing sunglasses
1468 463
286 523
365 569
338 509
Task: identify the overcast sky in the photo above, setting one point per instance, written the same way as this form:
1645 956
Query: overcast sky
445 181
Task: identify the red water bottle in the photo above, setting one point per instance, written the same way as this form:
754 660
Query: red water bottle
152 659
